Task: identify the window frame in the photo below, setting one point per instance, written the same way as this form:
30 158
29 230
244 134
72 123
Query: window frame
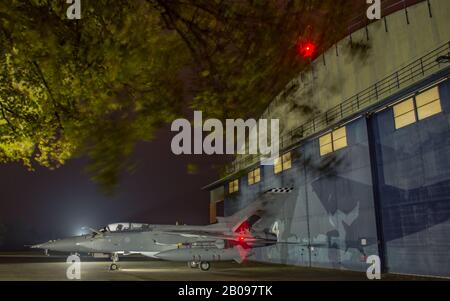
417 110
281 162
233 186
277 165
328 140
255 176
413 110
428 103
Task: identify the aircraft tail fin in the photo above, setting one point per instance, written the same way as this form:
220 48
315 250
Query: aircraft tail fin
247 224
264 206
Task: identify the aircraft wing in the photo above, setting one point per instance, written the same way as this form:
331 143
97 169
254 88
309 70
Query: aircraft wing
197 233
246 239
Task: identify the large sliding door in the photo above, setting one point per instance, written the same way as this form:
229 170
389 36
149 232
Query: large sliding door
412 153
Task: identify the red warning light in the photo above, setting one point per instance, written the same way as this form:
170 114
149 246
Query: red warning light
241 238
306 49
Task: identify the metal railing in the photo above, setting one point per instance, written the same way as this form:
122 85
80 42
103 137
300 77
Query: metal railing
402 78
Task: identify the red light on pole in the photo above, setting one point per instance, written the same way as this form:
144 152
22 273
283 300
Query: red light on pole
241 238
306 49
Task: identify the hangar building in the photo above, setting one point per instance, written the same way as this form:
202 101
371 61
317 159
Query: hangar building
371 165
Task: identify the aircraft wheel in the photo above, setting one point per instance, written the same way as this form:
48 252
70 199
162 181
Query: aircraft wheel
192 264
113 267
204 266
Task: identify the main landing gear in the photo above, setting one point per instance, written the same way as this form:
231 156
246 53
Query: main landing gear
193 264
203 265
115 258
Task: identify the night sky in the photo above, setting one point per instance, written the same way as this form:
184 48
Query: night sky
44 204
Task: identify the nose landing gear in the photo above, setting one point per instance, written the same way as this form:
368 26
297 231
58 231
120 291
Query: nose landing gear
114 266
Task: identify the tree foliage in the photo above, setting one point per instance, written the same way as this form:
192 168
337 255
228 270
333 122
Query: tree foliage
98 85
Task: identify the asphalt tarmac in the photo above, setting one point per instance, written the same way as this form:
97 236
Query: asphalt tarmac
36 267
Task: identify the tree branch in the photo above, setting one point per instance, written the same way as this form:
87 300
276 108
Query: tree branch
55 104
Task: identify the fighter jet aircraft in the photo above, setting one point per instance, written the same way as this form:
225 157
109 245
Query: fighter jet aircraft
232 238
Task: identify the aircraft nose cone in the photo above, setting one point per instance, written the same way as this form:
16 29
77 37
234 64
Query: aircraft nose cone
62 245
45 245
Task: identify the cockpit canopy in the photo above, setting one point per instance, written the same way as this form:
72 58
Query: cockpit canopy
126 227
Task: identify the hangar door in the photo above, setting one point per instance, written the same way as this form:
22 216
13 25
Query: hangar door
412 155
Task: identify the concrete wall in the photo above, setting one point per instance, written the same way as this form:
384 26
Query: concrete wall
216 195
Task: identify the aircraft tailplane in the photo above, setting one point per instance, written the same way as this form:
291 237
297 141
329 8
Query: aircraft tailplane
263 207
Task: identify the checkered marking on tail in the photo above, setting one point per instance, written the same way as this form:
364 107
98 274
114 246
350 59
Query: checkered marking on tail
280 190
